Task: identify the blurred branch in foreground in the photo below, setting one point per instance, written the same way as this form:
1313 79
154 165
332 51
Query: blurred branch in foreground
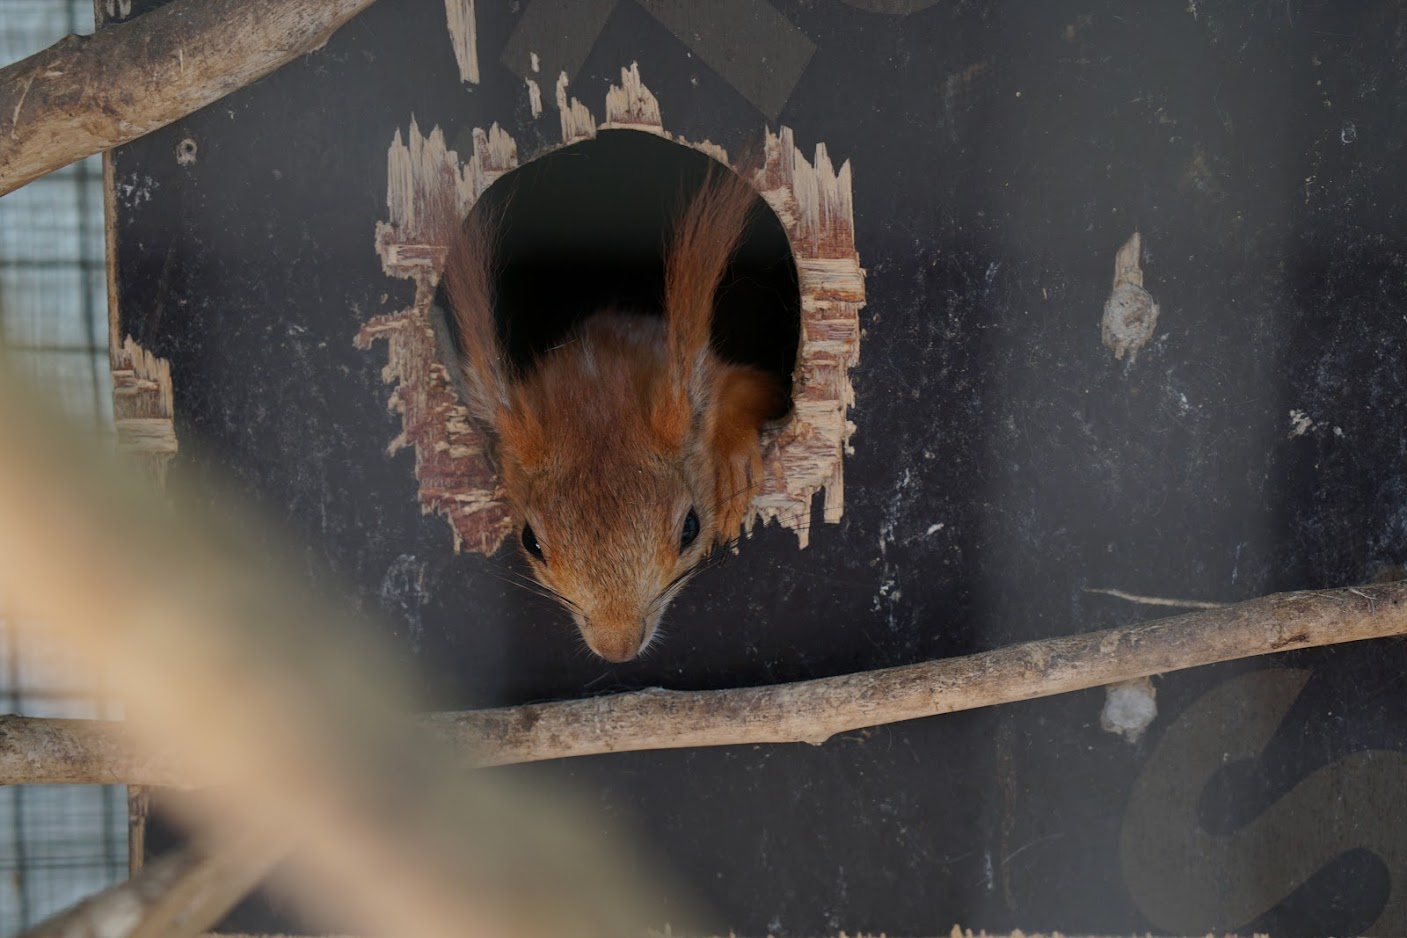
290 706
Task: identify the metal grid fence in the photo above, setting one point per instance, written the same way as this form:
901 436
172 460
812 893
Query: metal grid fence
57 843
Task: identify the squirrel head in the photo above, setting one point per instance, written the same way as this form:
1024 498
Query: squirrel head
630 450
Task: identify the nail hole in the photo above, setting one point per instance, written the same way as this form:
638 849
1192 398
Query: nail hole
186 152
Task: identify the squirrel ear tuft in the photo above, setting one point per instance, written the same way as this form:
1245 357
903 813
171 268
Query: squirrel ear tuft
703 242
468 282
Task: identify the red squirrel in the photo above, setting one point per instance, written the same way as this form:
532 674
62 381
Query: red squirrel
630 449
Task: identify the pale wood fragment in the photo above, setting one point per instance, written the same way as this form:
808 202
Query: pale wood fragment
464 34
143 408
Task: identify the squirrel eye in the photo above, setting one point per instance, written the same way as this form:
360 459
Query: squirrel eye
690 532
530 543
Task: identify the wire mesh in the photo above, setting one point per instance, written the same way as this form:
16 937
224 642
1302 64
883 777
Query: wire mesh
57 843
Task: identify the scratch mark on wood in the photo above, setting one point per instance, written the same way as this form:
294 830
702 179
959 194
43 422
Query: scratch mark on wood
19 105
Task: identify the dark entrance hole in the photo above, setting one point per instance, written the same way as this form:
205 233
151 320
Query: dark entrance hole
585 227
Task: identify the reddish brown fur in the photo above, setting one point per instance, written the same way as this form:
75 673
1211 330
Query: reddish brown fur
611 438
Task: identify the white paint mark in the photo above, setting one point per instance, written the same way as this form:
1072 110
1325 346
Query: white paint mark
1300 424
934 528
535 62
1130 315
463 33
1129 708
134 189
534 97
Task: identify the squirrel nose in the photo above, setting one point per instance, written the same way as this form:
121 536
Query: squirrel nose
616 645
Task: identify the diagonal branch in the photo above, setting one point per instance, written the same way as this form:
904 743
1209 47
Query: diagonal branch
183 893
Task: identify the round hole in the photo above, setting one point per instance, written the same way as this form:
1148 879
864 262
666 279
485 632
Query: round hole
585 228
186 152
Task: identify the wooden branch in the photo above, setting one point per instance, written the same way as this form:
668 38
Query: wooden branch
41 751
183 893
814 711
86 94
76 752
221 656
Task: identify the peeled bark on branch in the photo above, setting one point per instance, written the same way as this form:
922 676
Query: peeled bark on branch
38 751
86 94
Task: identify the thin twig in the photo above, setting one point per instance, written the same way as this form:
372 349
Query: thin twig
36 751
1158 600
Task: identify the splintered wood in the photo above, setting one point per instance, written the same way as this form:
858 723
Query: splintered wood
811 198
143 409
577 122
814 203
630 104
463 32
455 476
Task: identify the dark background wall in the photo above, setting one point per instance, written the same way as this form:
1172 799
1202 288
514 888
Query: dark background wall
1004 461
